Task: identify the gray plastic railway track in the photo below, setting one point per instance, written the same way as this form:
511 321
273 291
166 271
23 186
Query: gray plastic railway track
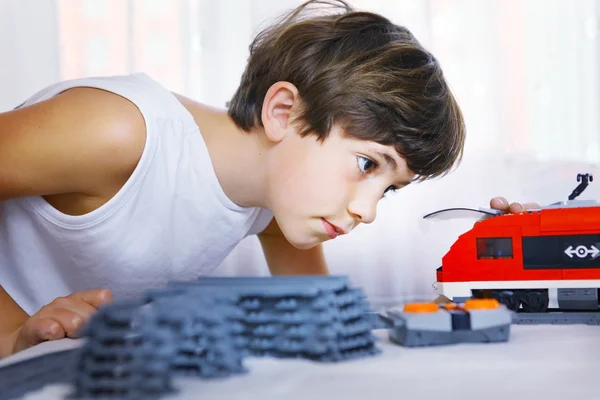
20 378
557 318
23 377
522 318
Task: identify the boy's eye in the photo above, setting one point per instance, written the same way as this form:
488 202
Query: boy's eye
390 189
365 164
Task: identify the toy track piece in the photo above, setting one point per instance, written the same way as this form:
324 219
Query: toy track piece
23 377
127 355
557 318
378 320
204 336
134 348
427 324
315 317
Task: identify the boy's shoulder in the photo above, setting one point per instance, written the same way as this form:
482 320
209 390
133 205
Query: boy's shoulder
81 140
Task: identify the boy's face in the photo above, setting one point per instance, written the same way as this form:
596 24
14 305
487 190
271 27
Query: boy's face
318 190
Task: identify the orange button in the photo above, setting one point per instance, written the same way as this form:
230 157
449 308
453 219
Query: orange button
481 304
421 307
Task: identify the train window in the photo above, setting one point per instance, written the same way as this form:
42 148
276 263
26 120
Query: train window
494 248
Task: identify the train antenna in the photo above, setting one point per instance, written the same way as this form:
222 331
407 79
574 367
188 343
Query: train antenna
584 179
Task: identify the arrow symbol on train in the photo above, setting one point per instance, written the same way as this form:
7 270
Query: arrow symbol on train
582 251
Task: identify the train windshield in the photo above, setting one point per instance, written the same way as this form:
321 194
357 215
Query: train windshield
494 248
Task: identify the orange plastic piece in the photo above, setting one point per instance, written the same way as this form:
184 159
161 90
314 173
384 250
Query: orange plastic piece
481 304
421 307
450 306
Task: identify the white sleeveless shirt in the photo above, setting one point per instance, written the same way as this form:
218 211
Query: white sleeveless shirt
170 221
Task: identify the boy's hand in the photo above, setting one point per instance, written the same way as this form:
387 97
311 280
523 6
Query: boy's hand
500 203
61 318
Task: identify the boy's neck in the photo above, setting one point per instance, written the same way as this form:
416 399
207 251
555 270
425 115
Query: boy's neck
238 157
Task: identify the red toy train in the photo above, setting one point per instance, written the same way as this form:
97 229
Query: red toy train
519 258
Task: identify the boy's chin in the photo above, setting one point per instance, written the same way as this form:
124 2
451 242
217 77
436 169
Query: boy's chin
303 242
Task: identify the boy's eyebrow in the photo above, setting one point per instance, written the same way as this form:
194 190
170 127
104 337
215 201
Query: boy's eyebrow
389 159
392 163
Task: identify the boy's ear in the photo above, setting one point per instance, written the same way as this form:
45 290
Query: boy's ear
276 110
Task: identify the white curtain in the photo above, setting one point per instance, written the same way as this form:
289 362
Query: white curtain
524 72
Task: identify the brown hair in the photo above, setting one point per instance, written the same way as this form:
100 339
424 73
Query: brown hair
361 71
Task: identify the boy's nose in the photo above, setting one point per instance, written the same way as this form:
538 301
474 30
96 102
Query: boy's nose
363 210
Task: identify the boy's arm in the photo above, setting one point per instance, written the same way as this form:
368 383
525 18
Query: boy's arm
285 259
13 317
83 141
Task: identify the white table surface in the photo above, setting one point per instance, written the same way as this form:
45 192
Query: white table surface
549 362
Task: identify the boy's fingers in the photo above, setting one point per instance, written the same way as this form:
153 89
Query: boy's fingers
39 330
64 317
70 320
95 297
518 207
68 312
515 207
46 329
499 203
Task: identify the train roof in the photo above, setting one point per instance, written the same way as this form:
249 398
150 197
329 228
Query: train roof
484 213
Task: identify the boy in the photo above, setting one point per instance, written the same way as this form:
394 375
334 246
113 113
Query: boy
117 183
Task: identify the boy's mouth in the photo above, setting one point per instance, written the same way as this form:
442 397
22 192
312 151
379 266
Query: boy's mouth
331 230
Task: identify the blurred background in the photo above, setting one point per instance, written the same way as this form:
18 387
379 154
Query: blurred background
525 73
